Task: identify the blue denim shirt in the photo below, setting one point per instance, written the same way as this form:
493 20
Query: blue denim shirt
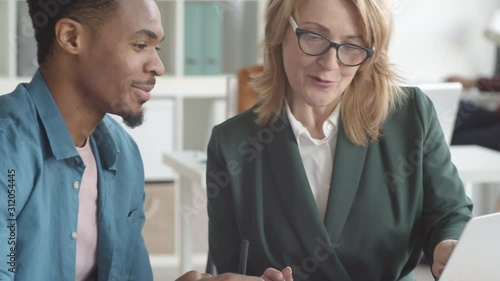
39 169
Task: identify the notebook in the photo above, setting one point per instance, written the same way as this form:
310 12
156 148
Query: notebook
477 254
446 98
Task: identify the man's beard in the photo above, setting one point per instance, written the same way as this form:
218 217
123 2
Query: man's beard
133 120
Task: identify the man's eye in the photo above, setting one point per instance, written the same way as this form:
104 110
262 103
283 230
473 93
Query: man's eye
157 48
141 46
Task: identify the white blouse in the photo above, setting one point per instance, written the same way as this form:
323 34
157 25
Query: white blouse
317 155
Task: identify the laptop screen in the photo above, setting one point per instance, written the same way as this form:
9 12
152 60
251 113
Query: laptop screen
477 254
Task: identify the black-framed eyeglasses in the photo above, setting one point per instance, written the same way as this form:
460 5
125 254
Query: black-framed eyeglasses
315 44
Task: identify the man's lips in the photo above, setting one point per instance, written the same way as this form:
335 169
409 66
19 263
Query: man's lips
144 91
145 87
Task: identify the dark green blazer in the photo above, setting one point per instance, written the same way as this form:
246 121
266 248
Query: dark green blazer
388 201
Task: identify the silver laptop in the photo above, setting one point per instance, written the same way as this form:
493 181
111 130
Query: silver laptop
477 254
445 97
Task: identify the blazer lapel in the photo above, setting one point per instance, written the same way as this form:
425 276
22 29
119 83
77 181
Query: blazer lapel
290 180
347 170
289 177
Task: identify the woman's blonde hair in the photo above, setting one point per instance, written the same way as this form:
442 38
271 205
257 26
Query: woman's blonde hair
373 92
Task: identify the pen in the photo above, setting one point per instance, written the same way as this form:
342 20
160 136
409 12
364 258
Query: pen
242 266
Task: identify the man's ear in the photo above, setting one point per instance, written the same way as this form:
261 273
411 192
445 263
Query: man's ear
69 35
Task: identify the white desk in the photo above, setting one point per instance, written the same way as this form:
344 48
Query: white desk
190 199
475 165
478 167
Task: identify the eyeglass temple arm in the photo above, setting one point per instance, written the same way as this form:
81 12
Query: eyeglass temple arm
293 23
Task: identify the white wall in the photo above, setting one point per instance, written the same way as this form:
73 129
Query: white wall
434 39
239 37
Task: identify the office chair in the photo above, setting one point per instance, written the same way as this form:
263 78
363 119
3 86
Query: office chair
240 96
246 95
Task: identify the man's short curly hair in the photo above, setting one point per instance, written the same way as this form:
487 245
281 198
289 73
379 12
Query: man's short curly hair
46 13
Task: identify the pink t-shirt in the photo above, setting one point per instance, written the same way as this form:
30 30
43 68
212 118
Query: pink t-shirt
86 241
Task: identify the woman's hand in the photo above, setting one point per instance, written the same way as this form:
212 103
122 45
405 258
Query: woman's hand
442 253
272 274
269 274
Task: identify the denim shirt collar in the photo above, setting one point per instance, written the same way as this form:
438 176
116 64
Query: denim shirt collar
60 140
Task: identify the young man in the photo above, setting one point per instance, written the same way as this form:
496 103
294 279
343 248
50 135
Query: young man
71 179
74 178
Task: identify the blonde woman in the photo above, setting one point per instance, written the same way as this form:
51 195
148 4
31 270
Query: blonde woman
337 171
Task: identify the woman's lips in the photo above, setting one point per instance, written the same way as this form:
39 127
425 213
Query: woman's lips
322 82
